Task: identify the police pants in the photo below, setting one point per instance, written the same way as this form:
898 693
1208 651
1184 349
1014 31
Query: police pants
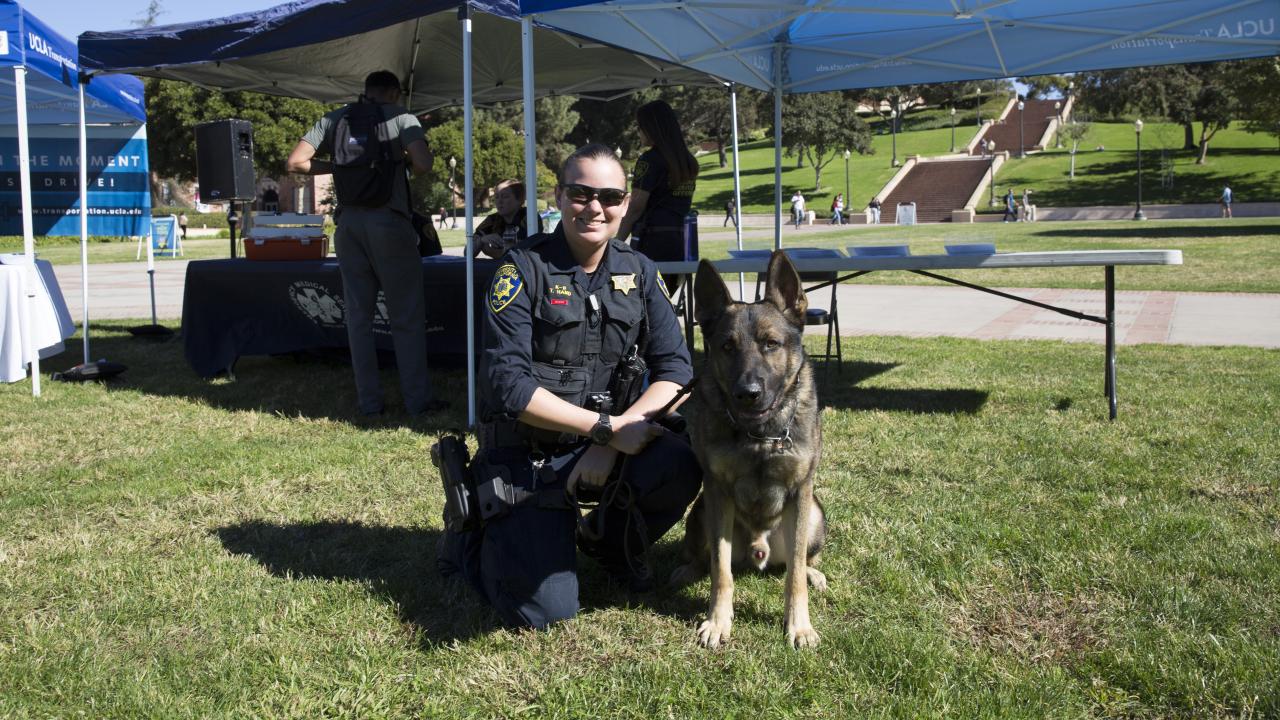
525 562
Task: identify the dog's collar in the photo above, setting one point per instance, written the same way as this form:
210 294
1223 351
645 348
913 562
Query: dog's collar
777 443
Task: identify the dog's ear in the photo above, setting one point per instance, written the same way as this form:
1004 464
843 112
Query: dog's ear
711 296
784 290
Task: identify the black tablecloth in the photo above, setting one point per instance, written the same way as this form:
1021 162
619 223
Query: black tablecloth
242 307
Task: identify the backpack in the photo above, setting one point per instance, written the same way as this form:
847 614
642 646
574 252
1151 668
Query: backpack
364 171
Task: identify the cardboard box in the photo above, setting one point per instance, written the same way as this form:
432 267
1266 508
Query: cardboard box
286 248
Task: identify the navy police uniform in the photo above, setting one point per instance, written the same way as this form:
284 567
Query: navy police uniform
550 324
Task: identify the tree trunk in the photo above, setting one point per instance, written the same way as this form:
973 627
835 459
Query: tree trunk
1073 160
1188 137
1205 136
720 149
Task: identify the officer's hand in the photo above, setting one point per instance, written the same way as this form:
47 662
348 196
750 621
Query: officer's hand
593 468
491 245
632 433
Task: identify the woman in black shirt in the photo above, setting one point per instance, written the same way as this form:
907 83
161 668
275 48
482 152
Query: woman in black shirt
662 190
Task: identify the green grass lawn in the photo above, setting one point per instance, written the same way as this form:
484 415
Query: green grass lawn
1249 162
176 548
1240 255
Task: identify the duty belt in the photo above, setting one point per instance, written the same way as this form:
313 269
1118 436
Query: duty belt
514 434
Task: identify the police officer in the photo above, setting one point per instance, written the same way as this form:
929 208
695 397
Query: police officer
563 310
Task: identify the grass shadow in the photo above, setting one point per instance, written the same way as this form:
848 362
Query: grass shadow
842 391
1155 231
397 564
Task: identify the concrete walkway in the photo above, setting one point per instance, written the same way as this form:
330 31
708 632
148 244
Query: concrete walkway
119 290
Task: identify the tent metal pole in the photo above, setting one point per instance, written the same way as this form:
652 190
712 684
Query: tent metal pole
464 14
413 61
737 182
84 224
530 126
777 147
31 276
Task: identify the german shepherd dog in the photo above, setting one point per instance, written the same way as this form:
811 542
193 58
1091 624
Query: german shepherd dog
758 437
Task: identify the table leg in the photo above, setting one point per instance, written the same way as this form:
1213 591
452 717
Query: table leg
1109 384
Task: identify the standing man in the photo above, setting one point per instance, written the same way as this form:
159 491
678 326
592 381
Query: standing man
1225 201
729 207
1010 207
376 243
797 208
182 224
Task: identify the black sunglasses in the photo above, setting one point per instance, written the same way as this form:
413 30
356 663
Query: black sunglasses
584 194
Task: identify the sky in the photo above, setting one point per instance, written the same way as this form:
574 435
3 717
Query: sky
72 17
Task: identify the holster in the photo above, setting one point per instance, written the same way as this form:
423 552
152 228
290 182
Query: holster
449 454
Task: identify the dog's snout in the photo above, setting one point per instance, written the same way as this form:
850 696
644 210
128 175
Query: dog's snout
748 392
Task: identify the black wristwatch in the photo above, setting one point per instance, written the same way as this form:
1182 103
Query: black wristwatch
602 432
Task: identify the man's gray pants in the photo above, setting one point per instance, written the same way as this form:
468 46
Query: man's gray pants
377 248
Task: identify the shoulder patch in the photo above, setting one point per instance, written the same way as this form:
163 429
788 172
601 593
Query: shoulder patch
507 284
662 285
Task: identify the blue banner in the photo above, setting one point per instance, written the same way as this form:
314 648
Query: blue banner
119 186
164 235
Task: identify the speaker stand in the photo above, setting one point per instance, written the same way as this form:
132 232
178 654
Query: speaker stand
232 219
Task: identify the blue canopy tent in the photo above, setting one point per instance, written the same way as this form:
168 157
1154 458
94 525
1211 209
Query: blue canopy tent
323 49
47 90
800 46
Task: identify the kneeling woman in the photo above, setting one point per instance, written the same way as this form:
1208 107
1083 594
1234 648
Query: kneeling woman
564 310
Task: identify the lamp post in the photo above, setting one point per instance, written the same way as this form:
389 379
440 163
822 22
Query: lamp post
846 178
1137 130
893 125
1022 141
991 168
1057 110
953 129
453 203
979 107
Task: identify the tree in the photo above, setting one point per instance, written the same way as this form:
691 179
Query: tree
1259 80
705 113
148 17
1042 86
175 108
612 123
821 126
1207 93
1074 132
497 154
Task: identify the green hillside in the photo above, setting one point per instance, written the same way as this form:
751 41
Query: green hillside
1248 161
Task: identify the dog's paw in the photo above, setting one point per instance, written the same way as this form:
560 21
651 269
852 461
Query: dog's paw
802 636
817 580
713 632
685 575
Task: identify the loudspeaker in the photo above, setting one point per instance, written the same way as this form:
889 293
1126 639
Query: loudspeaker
224 160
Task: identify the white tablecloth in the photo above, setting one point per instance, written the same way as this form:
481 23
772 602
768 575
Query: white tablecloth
50 321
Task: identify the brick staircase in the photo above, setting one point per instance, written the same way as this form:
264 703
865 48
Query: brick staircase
936 187
1036 117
